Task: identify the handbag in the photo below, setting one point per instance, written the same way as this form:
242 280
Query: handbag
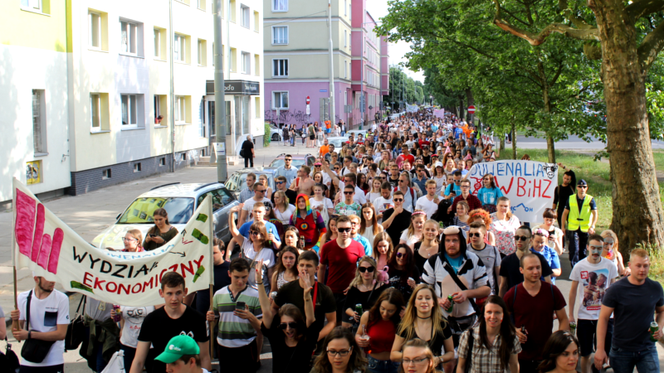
76 330
9 358
34 350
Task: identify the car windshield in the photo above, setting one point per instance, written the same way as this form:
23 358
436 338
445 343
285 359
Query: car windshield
279 162
141 211
238 182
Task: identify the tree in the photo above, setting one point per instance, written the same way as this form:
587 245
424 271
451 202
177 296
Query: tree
630 36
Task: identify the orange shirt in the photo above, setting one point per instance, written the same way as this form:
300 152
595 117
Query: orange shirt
324 149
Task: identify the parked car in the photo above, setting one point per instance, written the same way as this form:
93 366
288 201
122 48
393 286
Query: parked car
298 160
338 142
275 133
237 181
356 132
180 201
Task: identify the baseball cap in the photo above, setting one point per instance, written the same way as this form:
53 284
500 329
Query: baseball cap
177 347
438 164
581 183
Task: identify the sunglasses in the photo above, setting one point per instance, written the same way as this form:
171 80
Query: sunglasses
284 325
254 233
259 191
398 200
280 182
343 230
288 159
582 186
366 269
478 235
400 255
348 193
521 238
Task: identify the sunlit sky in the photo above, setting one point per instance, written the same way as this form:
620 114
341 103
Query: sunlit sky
378 9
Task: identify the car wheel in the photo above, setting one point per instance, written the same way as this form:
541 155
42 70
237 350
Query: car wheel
275 137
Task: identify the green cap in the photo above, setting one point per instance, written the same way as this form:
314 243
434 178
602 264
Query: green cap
177 347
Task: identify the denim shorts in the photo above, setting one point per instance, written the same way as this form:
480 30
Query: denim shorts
382 366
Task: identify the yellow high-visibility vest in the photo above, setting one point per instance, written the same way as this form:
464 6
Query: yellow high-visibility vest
574 219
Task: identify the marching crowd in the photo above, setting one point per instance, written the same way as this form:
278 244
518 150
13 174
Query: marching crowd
383 259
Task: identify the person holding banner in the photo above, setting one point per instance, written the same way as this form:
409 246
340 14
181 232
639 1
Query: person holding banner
47 319
162 231
489 193
503 227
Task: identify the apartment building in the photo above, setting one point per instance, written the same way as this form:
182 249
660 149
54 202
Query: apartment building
33 97
297 60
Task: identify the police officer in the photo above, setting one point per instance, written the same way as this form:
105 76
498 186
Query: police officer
579 221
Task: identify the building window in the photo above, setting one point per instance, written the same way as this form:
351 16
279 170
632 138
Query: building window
39 121
160 39
95 30
345 69
280 68
246 16
182 109
129 110
257 65
201 4
40 6
106 174
95 111
233 60
160 103
280 100
128 38
179 46
279 5
246 63
257 21
345 38
202 52
137 167
232 10
257 106
345 8
279 35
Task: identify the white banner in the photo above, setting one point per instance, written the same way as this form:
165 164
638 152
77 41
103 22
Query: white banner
47 246
412 108
529 185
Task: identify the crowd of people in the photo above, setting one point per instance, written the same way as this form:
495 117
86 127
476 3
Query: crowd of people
383 259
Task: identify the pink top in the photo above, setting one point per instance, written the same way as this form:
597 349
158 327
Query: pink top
504 232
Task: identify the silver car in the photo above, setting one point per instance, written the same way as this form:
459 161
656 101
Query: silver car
180 201
237 182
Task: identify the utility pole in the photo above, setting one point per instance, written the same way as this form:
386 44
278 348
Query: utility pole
171 112
329 20
219 94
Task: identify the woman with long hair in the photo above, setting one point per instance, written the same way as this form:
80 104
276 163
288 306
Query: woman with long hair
364 289
369 226
555 234
417 357
378 327
383 249
495 345
424 319
291 238
384 163
268 190
321 203
503 226
439 176
489 193
286 269
450 166
414 232
161 232
561 353
255 248
282 209
341 354
332 232
610 251
375 190
461 217
309 223
402 272
291 336
482 216
424 249
362 183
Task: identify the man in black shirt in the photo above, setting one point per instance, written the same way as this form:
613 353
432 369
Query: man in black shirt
175 318
396 219
510 275
282 185
562 193
324 303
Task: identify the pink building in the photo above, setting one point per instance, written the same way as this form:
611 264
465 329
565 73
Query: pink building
297 61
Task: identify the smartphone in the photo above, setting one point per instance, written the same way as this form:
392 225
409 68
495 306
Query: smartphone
153 235
240 306
302 242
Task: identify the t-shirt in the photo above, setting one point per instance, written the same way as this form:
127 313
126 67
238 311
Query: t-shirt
490 256
381 204
221 279
133 319
366 299
437 341
424 204
399 224
158 328
366 244
398 279
45 316
561 197
343 209
594 280
339 262
290 359
551 257
509 267
634 308
472 201
324 303
235 331
536 314
249 206
246 149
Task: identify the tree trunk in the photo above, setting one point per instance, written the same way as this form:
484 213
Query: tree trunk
513 140
551 149
501 146
633 174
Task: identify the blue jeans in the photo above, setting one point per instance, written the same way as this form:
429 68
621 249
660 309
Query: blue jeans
645 361
382 366
577 249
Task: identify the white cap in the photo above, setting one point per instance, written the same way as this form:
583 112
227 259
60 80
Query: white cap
438 164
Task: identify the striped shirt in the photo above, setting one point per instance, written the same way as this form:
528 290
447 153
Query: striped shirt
234 331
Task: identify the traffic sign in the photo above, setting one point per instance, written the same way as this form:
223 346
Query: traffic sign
471 109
